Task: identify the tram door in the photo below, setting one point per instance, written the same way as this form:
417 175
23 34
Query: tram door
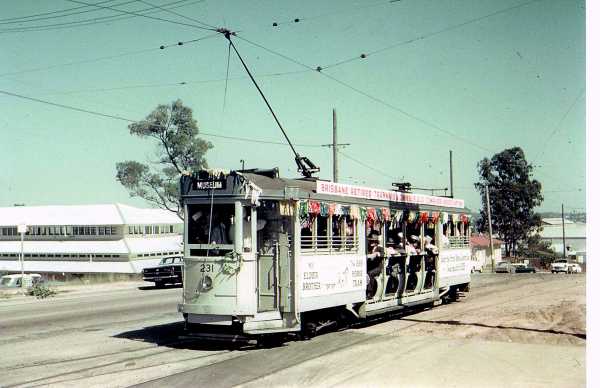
273 258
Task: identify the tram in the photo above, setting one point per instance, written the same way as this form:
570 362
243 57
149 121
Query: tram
266 255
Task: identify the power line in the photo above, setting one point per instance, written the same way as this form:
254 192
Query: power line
49 13
301 19
178 14
371 97
44 16
425 36
121 118
108 57
97 20
383 173
559 124
170 84
142 15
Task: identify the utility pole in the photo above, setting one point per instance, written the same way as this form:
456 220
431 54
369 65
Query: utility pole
334 146
451 178
243 162
562 210
489 217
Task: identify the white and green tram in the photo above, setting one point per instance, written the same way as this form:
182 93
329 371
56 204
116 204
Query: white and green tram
266 255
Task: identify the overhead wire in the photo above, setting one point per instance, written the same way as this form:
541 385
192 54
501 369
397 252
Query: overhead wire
371 97
64 13
425 36
107 57
347 10
129 120
559 124
178 14
143 15
97 20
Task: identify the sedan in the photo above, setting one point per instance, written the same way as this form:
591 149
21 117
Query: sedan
523 268
503 266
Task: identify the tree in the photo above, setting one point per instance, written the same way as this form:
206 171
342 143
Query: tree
513 196
179 149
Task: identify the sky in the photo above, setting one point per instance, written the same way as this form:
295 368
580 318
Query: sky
471 76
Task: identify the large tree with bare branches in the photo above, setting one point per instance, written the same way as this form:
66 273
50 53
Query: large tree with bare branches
179 149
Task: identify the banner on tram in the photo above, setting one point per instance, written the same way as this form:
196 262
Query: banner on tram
344 190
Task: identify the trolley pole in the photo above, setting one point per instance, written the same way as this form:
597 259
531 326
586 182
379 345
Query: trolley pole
489 217
562 211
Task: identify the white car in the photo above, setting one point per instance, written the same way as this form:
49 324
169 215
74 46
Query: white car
563 265
14 281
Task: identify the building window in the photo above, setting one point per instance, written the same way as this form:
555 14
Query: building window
156 229
171 228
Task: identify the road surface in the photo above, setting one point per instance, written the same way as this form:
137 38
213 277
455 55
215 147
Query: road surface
511 331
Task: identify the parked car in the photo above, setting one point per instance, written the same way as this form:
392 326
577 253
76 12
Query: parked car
523 268
14 281
574 268
168 271
504 266
476 265
564 265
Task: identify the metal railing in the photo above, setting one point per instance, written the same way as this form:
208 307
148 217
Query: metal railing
324 244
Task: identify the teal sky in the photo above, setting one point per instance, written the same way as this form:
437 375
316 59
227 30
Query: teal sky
508 73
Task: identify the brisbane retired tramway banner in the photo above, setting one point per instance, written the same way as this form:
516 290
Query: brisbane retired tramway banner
344 190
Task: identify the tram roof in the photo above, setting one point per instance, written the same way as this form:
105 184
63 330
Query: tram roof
274 187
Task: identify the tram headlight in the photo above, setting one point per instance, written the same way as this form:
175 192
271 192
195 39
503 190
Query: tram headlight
205 284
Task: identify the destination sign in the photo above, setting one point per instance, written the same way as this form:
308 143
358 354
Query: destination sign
205 185
343 190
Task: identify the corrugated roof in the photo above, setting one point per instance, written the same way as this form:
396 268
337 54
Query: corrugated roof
108 214
483 241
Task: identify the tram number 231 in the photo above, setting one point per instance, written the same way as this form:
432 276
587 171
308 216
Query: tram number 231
207 267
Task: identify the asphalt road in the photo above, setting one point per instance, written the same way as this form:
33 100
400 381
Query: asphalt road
512 330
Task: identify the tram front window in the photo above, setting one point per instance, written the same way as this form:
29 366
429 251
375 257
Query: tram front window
211 226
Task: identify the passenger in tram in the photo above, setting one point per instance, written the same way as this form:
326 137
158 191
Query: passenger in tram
374 254
412 245
219 233
429 247
445 241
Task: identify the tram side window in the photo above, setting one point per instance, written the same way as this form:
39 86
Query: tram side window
413 237
306 232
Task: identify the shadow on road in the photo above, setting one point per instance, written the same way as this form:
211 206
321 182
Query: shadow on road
172 335
149 288
459 323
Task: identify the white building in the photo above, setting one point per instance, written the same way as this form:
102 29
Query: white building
575 237
112 238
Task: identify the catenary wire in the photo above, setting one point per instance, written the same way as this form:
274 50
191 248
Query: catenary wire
425 36
559 124
371 97
108 57
121 118
142 15
178 14
169 84
347 10
35 18
97 20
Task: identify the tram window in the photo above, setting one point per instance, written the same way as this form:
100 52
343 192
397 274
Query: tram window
306 232
219 219
430 231
322 229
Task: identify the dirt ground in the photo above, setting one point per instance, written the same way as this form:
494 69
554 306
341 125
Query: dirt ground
532 309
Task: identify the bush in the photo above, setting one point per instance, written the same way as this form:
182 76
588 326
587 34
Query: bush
40 291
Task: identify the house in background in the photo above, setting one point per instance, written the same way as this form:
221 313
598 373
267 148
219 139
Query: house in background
575 237
481 255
